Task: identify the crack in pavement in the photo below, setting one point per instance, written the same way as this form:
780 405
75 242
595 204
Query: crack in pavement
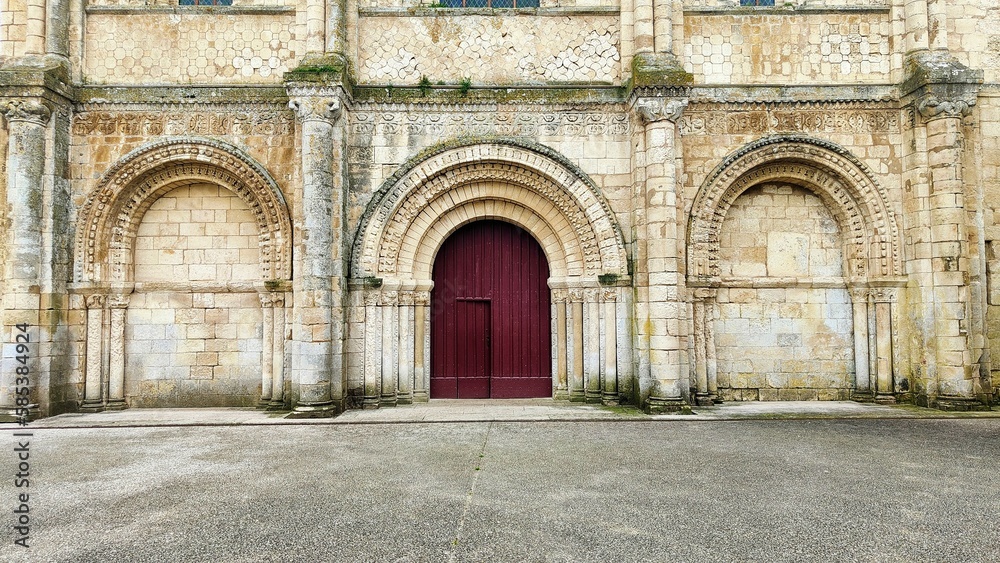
468 496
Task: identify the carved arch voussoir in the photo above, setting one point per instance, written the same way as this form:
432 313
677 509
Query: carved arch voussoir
110 217
437 181
846 186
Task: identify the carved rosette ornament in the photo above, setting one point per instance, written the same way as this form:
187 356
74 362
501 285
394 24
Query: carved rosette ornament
932 107
32 111
317 109
657 109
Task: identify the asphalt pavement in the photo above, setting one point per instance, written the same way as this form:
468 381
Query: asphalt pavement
530 485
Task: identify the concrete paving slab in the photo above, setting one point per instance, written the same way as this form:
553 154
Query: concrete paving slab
920 490
478 410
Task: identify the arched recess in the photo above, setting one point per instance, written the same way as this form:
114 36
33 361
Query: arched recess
871 247
526 184
105 253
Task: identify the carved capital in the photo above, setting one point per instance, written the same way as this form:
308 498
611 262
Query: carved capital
317 109
272 299
658 109
96 301
884 294
119 301
932 107
33 111
704 293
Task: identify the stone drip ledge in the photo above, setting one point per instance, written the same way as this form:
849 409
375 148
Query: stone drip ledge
193 10
422 12
784 10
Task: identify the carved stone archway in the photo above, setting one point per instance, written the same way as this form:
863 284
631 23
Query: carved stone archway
104 253
528 185
872 247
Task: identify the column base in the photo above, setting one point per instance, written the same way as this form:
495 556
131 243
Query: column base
321 410
714 397
954 403
863 397
664 405
388 401
13 414
561 395
276 405
593 397
116 405
703 400
264 403
404 400
369 403
421 397
885 399
577 396
91 406
610 400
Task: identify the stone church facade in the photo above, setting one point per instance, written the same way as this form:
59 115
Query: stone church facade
243 204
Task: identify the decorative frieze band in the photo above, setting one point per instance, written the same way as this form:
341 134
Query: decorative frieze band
784 120
242 121
512 122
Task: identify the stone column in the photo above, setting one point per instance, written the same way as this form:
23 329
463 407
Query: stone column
315 26
575 346
592 345
389 342
609 350
658 308
277 352
955 367
35 32
266 348
560 343
882 300
937 25
319 264
118 304
421 345
22 270
663 23
862 377
93 374
336 26
915 26
404 384
373 349
702 300
643 27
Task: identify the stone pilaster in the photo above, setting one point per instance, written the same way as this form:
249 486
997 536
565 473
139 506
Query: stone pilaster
27 120
706 381
317 323
658 304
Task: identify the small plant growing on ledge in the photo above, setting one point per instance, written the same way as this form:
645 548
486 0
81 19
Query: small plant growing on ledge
425 85
464 85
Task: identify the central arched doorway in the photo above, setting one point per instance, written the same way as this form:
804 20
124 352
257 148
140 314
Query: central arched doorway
490 333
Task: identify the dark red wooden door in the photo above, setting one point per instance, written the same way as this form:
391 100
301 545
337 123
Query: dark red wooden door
490 332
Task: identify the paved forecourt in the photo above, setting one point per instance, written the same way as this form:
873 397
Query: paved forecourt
593 489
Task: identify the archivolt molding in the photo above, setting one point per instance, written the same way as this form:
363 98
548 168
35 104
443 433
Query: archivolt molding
844 184
112 212
520 180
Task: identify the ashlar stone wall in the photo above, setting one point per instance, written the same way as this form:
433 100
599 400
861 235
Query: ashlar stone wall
794 338
398 48
140 46
765 48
